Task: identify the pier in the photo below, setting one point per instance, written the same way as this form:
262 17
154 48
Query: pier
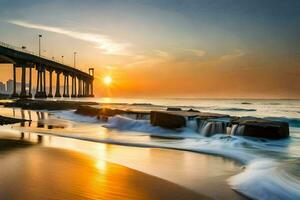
81 82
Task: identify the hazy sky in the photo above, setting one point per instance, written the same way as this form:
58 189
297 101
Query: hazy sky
169 48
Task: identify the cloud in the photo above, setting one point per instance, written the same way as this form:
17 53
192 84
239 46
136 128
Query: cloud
159 56
138 63
162 54
103 42
235 54
109 67
197 52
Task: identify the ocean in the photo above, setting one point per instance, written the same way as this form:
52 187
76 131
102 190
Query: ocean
271 167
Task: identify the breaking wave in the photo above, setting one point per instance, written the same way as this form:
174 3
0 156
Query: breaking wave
269 179
70 115
271 167
125 123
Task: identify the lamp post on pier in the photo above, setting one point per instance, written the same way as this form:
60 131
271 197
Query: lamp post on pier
40 36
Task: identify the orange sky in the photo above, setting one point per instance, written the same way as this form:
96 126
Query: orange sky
162 49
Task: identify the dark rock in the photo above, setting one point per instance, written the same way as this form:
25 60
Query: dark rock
173 109
178 119
47 105
113 112
104 113
167 119
246 103
99 112
261 128
109 112
192 110
142 104
88 111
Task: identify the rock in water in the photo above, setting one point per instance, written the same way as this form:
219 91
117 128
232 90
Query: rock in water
87 110
167 119
192 110
98 112
173 109
262 128
109 112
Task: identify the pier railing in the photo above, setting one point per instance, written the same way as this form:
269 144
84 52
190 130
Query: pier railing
3 44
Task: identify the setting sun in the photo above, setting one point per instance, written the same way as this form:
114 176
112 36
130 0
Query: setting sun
107 80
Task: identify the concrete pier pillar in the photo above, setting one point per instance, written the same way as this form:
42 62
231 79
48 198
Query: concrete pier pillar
37 92
92 88
37 80
14 94
73 86
83 88
87 88
79 87
65 85
23 83
41 80
44 81
57 92
41 83
50 84
91 72
30 82
68 86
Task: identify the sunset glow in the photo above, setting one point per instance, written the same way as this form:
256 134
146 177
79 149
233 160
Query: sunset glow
107 80
150 99
224 52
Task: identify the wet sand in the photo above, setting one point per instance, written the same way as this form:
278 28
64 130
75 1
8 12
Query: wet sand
38 172
200 173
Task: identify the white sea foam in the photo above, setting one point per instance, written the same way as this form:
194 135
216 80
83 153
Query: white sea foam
266 175
267 179
125 123
70 115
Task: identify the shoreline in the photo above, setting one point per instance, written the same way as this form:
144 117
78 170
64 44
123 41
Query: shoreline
240 162
130 157
172 118
65 126
109 180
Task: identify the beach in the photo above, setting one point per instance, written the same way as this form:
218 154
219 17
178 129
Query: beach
29 171
52 168
191 165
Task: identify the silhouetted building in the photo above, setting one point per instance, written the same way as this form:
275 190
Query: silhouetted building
2 88
9 86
